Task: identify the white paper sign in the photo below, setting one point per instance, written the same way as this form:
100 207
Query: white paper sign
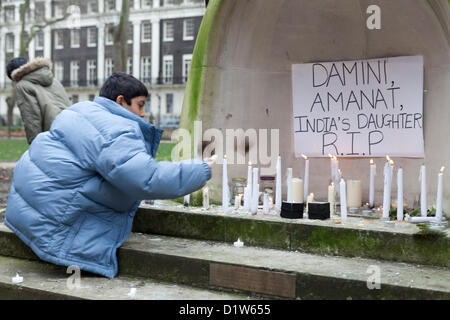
366 108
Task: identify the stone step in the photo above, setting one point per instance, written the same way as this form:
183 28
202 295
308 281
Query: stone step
262 272
42 281
357 237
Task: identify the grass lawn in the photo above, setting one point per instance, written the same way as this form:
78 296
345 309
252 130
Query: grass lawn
12 150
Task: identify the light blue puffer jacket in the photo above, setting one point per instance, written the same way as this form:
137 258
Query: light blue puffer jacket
76 190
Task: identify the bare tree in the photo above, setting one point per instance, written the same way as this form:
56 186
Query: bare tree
25 40
121 33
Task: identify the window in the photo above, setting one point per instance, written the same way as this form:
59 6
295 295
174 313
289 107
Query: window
109 39
74 72
146 31
147 106
130 33
110 5
146 3
10 43
168 31
58 10
188 29
59 71
92 7
146 69
59 39
167 69
75 38
39 40
187 59
91 72
169 103
109 67
10 14
92 37
130 65
39 13
169 2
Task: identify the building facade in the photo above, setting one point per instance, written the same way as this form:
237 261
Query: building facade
161 40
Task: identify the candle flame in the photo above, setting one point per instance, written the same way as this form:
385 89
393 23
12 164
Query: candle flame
442 169
388 159
249 163
330 156
305 157
335 159
371 161
391 162
340 172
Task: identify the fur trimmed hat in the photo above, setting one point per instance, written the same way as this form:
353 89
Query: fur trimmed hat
20 69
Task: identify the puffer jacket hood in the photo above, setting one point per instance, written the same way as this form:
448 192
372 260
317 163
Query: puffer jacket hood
37 71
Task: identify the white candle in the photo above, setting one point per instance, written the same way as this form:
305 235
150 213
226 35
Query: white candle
278 194
306 187
297 190
343 200
423 191
225 190
387 191
187 199
310 197
439 196
373 173
249 177
400 194
289 185
331 198
354 193
337 171
205 194
255 191
247 199
266 204
237 201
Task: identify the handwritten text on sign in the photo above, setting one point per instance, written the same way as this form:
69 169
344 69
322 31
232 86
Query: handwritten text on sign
368 108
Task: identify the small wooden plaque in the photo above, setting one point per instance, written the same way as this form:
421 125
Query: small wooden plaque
254 280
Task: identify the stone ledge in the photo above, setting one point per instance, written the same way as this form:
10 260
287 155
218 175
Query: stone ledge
401 242
189 262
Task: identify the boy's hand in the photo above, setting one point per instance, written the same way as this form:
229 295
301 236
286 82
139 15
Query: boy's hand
211 161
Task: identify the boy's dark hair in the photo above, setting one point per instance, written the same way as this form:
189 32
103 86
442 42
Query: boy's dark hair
123 84
15 64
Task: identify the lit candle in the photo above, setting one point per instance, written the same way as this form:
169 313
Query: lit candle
423 191
354 193
343 196
205 193
400 194
249 177
373 173
337 171
297 190
289 185
306 187
331 198
439 196
278 194
387 190
255 191
225 191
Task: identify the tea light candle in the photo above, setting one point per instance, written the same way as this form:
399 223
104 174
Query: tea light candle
17 279
238 243
297 190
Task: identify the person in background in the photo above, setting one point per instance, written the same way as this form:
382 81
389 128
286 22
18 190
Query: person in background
39 96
